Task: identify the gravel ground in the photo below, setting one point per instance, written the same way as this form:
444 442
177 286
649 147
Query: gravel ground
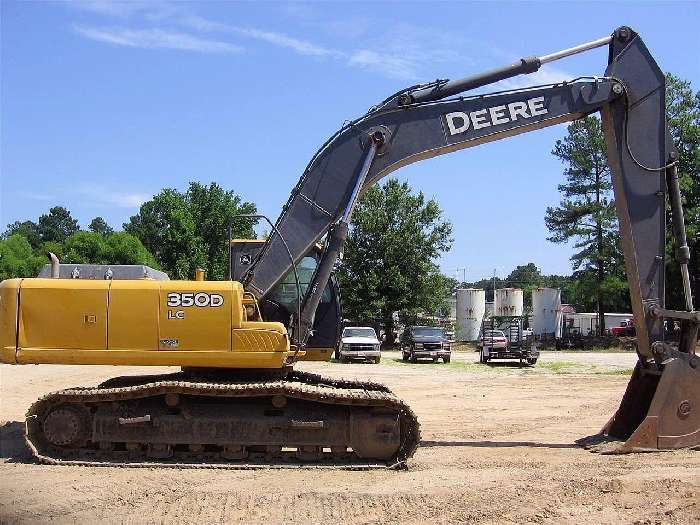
498 447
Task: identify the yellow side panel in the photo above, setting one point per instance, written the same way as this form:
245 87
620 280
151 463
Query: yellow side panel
196 315
63 313
9 297
133 315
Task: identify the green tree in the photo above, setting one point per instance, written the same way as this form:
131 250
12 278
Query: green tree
124 248
213 210
99 225
85 248
115 248
188 230
57 225
527 277
683 118
586 213
27 229
17 258
389 261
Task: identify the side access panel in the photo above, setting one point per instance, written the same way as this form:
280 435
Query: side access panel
55 313
134 319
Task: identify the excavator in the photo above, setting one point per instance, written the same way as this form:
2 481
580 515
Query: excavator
238 401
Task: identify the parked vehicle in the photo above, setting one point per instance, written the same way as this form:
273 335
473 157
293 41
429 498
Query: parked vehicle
359 343
425 342
493 339
494 344
626 329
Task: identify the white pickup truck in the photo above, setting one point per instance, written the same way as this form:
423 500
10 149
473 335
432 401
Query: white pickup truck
359 343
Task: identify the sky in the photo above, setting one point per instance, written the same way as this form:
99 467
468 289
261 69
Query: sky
103 104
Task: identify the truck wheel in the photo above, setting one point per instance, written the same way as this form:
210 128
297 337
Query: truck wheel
446 359
377 360
531 361
414 359
404 356
435 359
482 357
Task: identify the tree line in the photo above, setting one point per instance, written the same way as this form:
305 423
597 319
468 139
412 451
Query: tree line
174 231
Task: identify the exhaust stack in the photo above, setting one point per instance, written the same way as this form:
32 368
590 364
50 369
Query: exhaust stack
55 266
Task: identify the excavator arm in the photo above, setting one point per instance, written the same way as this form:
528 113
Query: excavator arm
434 119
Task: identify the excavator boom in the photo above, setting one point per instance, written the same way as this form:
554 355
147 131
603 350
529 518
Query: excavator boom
436 119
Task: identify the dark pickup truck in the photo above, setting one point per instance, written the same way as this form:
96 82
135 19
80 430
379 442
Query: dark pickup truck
425 342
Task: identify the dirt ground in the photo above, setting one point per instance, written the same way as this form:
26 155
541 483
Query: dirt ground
497 447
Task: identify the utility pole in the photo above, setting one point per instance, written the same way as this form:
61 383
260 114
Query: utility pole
464 273
494 288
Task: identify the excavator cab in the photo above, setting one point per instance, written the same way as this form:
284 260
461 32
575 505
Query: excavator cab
281 303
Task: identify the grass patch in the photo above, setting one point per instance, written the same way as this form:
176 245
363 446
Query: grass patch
551 367
561 367
615 372
569 367
452 365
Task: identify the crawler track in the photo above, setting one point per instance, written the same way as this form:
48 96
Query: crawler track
172 420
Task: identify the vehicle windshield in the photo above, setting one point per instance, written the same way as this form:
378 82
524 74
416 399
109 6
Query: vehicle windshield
494 333
427 331
359 332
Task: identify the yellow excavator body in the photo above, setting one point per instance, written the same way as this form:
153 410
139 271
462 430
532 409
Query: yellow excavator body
136 322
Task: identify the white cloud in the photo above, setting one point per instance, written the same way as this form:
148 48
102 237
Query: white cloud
156 39
389 65
103 195
408 52
127 200
113 8
303 47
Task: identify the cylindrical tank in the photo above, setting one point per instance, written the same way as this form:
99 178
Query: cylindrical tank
471 303
508 302
546 310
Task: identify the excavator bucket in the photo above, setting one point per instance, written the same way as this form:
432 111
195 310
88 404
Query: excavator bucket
659 411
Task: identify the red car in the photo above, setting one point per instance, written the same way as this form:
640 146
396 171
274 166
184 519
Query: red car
626 328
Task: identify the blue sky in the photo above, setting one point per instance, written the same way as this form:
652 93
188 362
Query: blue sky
105 103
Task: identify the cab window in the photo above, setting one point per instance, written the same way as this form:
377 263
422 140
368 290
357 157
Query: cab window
285 292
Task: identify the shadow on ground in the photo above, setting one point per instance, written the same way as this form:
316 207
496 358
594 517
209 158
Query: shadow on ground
12 446
496 444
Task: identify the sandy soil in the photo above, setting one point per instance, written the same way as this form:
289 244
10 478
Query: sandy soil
497 448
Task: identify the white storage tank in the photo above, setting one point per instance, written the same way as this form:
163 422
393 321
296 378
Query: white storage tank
546 311
508 302
471 304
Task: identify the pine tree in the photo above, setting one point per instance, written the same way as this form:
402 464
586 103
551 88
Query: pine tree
586 214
